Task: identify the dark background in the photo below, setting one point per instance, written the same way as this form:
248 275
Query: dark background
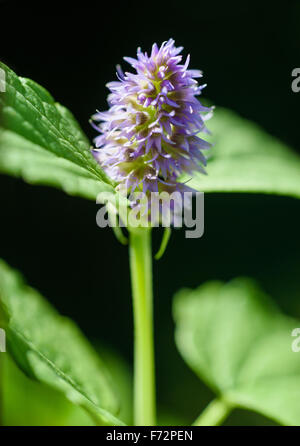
247 52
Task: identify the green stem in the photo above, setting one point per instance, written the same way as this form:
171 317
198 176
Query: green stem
144 371
214 414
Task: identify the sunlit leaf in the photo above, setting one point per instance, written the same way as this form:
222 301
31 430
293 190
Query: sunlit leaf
41 142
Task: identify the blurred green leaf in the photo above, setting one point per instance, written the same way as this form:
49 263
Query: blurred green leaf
237 341
27 402
121 375
42 142
51 349
245 158
169 417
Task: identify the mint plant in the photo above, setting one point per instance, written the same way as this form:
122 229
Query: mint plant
149 142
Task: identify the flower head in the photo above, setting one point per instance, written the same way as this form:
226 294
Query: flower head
149 136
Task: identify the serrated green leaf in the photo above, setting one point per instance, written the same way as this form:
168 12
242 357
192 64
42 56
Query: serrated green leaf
22 158
245 158
42 142
237 341
51 349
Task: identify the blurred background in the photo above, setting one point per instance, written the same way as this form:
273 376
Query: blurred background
247 52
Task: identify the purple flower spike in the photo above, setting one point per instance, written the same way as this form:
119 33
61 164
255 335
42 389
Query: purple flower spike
150 134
